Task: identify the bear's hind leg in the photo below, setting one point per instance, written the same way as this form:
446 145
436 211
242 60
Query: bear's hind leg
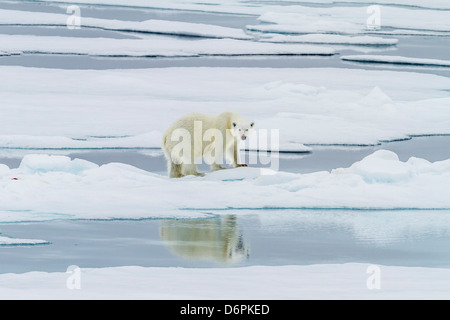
191 169
174 169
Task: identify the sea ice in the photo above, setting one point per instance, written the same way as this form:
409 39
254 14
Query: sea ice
54 108
330 39
7 241
433 4
45 108
350 20
324 281
242 7
28 18
146 140
157 47
51 187
397 60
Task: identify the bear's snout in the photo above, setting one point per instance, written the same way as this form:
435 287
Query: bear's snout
243 137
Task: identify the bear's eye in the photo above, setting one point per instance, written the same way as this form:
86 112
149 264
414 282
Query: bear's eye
246 129
234 124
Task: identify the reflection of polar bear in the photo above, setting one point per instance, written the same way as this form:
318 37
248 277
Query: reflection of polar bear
204 135
212 239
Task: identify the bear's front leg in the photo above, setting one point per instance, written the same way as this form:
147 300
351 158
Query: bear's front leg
236 156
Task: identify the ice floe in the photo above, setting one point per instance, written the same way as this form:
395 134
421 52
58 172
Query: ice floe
78 189
53 108
330 39
140 141
243 7
350 20
28 18
151 47
397 60
7 241
325 281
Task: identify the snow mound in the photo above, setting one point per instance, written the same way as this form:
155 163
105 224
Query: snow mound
56 187
382 166
42 163
376 97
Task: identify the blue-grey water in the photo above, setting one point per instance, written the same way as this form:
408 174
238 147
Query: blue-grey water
431 148
262 237
231 238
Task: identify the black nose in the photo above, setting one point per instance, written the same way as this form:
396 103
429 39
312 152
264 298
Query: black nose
243 137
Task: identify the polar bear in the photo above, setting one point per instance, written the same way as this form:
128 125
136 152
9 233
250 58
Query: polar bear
198 135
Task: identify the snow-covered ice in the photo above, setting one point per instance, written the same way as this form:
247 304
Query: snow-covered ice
433 4
147 140
7 241
49 108
227 6
397 60
324 281
159 47
242 7
330 39
350 20
28 18
100 109
55 187
397 17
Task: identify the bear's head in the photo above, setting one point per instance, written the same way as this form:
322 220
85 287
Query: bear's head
242 129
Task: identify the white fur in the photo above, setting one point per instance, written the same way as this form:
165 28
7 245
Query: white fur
228 127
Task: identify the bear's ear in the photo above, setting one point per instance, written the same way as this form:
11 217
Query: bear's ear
252 124
234 124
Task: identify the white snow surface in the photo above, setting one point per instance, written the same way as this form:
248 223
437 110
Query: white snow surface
350 20
325 281
398 16
146 140
163 47
55 187
242 7
330 39
16 17
49 108
397 60
83 109
7 241
433 4
293 18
